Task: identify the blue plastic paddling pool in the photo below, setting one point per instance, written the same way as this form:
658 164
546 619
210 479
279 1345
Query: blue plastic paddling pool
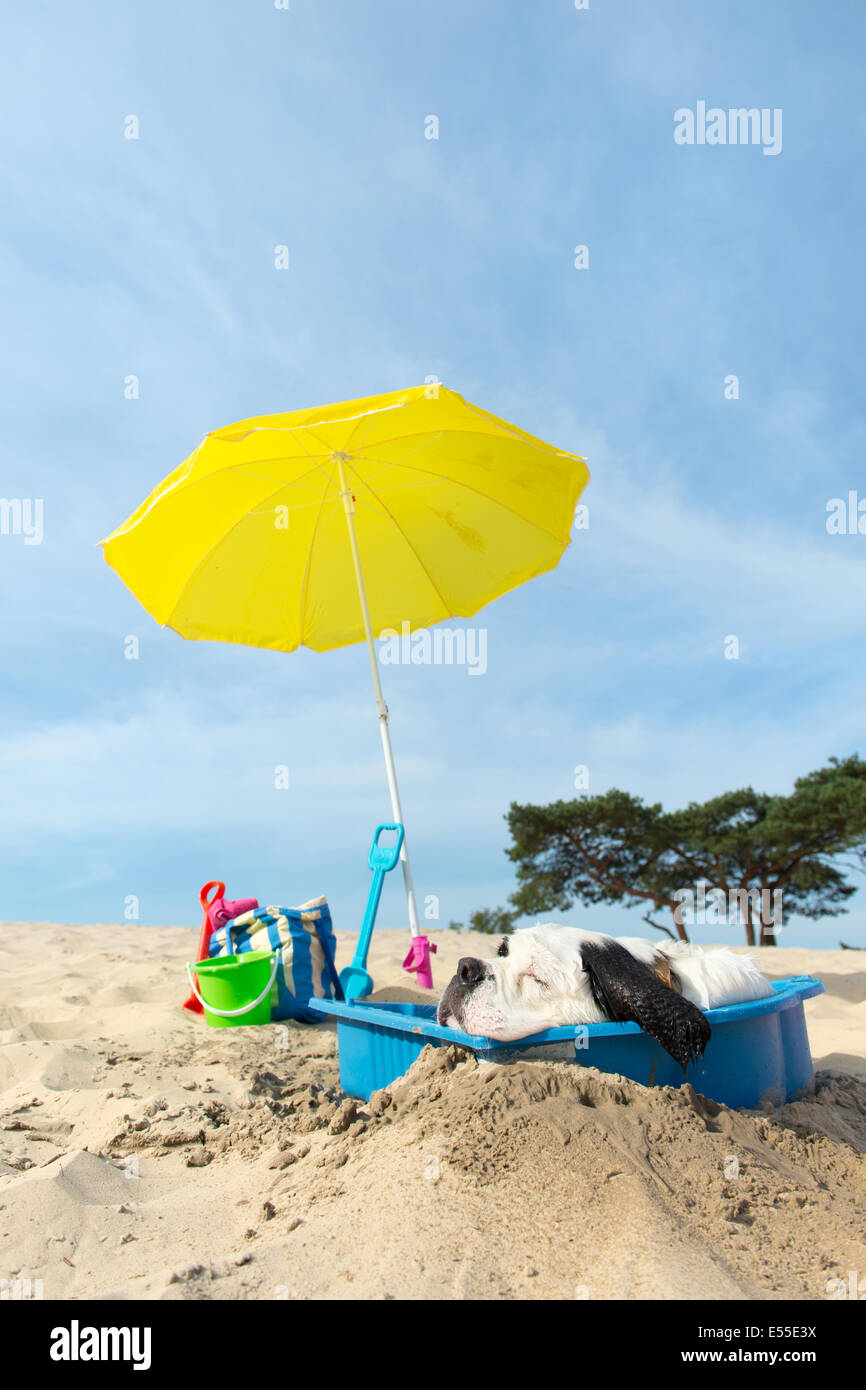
758 1052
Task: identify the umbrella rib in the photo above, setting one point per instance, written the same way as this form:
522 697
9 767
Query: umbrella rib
244 472
290 429
370 418
305 582
370 458
216 545
236 468
501 432
434 586
323 442
457 482
313 457
427 442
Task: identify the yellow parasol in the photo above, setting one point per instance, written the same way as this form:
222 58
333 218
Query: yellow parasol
321 527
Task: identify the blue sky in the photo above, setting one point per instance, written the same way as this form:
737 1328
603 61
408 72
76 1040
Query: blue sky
413 258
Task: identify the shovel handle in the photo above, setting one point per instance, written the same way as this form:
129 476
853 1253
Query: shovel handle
381 859
385 857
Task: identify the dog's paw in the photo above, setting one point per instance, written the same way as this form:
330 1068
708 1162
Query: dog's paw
688 1036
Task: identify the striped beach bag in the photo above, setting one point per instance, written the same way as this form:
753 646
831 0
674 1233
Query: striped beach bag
305 937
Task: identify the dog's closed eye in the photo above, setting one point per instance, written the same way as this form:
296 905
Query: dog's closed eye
530 978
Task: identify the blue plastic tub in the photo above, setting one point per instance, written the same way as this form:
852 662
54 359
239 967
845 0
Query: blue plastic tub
758 1052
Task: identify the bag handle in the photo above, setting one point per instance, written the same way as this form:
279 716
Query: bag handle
247 1008
329 959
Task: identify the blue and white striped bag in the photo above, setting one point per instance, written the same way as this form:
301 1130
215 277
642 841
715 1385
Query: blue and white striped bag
305 936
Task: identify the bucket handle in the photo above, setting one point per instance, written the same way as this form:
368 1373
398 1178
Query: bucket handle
247 1008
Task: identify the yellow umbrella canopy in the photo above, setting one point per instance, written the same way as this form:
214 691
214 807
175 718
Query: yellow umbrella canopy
246 541
322 527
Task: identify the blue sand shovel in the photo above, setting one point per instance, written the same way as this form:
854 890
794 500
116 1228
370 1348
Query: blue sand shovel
355 978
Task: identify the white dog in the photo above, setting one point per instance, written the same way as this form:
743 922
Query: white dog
548 976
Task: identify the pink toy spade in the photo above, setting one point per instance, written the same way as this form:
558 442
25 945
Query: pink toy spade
418 960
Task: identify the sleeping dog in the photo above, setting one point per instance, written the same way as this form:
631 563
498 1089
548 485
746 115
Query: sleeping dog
548 976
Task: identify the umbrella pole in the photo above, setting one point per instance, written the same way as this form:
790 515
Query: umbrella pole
381 706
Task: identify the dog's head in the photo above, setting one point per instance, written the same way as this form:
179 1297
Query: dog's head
536 981
550 976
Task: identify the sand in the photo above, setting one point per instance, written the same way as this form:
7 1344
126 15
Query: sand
145 1156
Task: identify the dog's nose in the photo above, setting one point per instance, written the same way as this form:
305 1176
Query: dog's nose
470 971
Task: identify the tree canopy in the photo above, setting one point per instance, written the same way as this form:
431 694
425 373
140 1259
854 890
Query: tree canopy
495 921
764 858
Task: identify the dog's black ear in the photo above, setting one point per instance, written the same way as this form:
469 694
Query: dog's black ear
626 990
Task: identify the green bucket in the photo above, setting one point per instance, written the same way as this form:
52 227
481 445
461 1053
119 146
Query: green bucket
235 990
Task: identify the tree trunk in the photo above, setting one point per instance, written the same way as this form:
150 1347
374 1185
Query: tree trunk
768 929
677 914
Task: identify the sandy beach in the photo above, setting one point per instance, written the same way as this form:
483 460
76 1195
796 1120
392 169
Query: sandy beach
146 1156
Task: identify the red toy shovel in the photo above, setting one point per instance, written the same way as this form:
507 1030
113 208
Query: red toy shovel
204 937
